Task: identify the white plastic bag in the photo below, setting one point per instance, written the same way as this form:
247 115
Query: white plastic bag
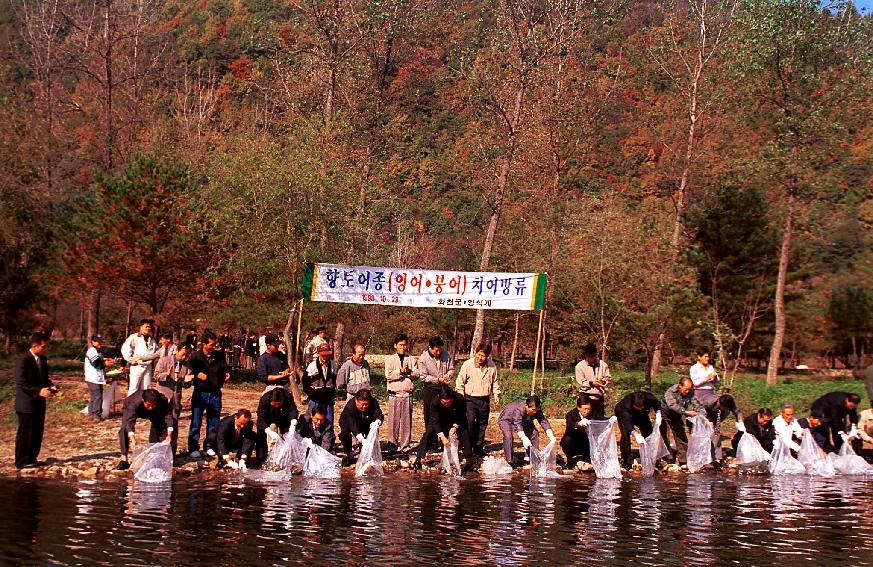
651 450
288 451
749 451
700 444
153 462
847 462
810 455
543 463
781 461
370 459
604 452
495 466
321 464
450 463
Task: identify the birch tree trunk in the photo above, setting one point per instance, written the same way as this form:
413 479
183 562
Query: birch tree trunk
779 299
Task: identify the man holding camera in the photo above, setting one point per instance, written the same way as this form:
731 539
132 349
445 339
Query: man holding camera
32 389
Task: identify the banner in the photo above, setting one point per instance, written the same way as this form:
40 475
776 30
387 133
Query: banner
406 287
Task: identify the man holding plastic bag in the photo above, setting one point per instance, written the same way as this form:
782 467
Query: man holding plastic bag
144 404
520 417
448 418
276 415
760 426
359 414
574 441
633 414
840 412
681 404
317 428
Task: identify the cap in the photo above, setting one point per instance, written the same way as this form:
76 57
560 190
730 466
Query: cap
271 339
96 337
324 348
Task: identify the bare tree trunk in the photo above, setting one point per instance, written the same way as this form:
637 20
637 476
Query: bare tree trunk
128 323
338 339
94 314
292 355
779 300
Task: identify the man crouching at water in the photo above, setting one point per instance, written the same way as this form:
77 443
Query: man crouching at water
234 438
448 417
144 404
315 426
520 417
681 404
355 420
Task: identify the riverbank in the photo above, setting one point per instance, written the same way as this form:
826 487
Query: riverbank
75 446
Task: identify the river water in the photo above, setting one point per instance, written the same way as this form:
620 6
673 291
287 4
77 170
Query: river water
407 519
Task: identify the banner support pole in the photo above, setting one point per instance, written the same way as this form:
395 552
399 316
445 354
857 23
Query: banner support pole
299 322
533 379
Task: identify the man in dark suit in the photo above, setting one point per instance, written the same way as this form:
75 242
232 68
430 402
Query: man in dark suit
145 404
32 389
835 407
234 439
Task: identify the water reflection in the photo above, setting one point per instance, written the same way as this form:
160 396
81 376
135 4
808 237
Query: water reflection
405 519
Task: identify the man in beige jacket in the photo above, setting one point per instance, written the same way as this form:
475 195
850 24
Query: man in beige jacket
477 382
400 372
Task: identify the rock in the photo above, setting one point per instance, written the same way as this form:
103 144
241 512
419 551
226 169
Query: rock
402 464
91 472
672 468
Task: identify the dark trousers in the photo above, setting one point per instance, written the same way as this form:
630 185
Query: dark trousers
576 447
478 410
431 437
95 399
28 439
507 430
203 403
431 392
680 435
346 440
157 433
626 428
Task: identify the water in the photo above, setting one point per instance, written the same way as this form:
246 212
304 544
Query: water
406 519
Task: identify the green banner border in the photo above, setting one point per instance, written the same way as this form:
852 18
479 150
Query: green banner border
540 299
308 279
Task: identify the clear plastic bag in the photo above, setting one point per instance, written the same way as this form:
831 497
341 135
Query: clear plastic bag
749 451
810 456
450 463
847 462
321 464
370 459
781 461
495 466
604 452
651 450
700 444
153 462
543 463
288 451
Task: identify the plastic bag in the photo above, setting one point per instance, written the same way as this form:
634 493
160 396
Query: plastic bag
651 450
700 444
749 451
288 451
370 459
847 462
153 462
321 464
543 463
810 456
494 466
450 463
781 461
604 452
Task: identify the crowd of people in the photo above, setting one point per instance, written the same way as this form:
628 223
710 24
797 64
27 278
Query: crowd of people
456 405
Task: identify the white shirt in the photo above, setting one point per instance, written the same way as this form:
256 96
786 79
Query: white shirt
93 374
262 344
137 345
699 374
787 430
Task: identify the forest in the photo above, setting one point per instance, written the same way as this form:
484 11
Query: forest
689 172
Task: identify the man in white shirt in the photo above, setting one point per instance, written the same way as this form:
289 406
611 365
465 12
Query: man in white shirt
705 379
95 366
787 427
592 377
310 352
140 351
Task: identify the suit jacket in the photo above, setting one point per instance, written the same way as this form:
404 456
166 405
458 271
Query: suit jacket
229 442
444 418
29 380
323 437
833 406
134 409
281 416
164 374
572 430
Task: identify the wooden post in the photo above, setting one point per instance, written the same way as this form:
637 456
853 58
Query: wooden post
297 345
533 378
514 345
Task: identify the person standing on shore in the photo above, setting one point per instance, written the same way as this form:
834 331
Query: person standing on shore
354 374
310 351
95 366
319 382
272 368
210 374
140 351
436 367
705 380
592 377
32 388
477 382
171 376
400 372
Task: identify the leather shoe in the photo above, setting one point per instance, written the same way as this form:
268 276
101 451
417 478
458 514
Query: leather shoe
122 466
